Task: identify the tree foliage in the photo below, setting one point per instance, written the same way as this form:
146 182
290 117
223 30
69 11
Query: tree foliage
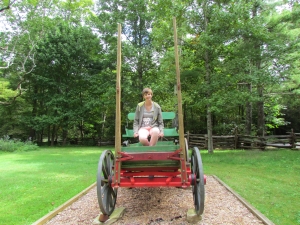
239 65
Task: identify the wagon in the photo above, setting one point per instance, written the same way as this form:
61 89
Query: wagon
169 163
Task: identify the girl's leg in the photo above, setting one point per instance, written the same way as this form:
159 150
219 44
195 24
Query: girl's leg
154 132
143 136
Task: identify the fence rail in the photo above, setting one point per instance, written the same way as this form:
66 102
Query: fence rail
238 141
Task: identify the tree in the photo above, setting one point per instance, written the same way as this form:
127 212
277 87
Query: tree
138 63
236 59
284 23
6 5
59 83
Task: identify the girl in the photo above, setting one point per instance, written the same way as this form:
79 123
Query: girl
148 120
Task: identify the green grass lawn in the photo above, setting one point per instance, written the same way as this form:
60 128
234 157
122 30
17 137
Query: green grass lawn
34 183
269 180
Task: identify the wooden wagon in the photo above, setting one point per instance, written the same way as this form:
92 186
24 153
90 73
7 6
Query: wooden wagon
167 164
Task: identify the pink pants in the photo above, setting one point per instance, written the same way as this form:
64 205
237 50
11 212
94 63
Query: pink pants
144 132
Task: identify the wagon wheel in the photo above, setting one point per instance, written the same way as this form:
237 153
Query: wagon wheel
107 195
198 184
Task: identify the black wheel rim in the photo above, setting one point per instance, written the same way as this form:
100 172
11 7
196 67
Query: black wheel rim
198 185
107 195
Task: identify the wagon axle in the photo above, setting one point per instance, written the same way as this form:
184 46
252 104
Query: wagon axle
141 179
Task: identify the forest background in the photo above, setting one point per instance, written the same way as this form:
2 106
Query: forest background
239 62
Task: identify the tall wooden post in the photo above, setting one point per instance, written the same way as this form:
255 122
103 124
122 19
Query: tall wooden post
118 105
179 99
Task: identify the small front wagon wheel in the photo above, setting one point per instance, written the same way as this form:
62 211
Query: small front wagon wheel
198 184
107 195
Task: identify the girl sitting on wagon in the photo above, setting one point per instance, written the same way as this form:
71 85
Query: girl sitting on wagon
148 120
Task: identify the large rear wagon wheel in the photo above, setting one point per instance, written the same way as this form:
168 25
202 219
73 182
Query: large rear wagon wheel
198 184
107 195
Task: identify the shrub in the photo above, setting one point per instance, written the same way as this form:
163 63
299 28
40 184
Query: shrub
10 145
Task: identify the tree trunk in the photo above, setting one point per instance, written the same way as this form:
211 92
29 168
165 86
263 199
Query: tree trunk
49 134
65 137
53 135
260 103
210 145
32 134
39 136
248 125
103 124
207 76
209 114
81 130
260 113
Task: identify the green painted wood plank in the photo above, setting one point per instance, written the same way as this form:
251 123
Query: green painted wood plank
165 115
168 132
166 148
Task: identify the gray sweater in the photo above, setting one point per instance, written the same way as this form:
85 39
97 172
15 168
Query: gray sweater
157 117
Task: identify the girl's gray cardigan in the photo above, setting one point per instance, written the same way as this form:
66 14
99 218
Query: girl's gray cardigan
157 117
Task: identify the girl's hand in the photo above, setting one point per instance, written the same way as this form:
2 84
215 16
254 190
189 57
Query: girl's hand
135 135
161 134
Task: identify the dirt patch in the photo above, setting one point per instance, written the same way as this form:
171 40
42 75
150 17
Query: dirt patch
161 206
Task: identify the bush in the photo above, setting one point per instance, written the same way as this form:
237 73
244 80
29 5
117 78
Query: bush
10 145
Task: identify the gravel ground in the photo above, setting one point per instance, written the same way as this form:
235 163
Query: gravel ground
152 206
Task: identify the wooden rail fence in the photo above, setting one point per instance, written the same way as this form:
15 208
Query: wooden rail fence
238 141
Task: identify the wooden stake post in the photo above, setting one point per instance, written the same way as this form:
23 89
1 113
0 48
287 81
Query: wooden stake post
118 107
179 99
